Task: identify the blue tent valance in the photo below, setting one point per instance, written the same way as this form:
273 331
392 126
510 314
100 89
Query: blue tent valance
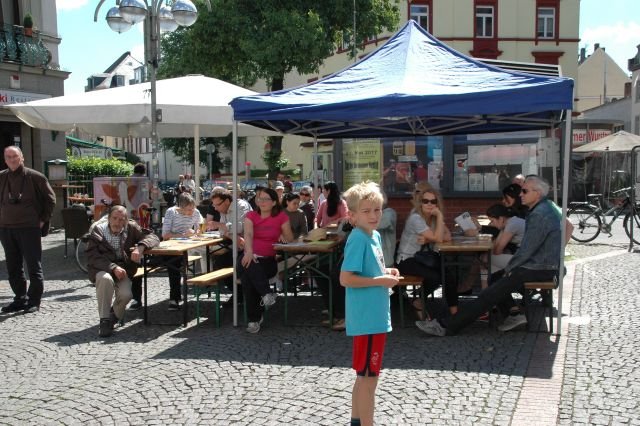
412 85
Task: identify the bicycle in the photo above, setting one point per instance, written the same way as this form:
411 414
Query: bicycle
589 218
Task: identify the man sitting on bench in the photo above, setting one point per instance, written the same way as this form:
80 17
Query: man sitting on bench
536 260
115 247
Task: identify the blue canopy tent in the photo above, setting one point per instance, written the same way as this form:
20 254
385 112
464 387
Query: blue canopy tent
414 85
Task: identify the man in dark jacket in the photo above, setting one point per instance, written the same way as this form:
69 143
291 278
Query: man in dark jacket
115 247
26 205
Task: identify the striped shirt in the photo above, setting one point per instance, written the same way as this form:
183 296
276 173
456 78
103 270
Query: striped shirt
116 240
176 223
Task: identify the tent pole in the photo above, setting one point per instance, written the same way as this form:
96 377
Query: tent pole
234 226
565 202
555 174
316 187
196 161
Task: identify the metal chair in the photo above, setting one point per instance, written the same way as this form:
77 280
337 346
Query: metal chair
76 224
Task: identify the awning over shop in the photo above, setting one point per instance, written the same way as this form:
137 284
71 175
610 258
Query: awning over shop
82 148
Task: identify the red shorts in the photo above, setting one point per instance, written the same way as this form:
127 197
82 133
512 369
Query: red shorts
368 351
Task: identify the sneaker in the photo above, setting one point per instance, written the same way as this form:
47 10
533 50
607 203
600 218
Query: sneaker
106 327
254 327
136 305
268 300
512 322
174 305
432 327
29 308
338 325
15 306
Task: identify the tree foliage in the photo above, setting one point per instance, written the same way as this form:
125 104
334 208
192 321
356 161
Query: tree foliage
183 149
241 41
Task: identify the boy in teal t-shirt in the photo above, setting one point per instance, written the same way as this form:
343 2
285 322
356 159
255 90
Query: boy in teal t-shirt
367 318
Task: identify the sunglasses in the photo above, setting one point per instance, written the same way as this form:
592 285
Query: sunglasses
526 191
305 194
428 201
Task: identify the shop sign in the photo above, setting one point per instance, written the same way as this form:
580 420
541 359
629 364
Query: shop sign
581 136
8 97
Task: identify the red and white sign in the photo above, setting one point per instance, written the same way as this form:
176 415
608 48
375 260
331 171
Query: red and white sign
8 97
581 137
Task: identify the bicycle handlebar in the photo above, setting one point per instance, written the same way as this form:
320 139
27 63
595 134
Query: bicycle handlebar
622 190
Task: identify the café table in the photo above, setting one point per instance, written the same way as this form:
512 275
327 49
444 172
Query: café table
65 189
462 246
179 247
323 250
83 200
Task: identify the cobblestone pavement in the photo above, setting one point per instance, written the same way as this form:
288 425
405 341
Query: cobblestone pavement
56 370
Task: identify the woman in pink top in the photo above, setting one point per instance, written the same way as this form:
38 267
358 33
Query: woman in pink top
262 229
333 208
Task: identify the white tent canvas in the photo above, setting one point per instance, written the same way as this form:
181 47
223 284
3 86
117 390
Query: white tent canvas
126 111
191 106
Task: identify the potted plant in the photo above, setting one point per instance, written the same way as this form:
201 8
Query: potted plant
27 23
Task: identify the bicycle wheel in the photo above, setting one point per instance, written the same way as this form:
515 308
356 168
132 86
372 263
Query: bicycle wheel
636 225
586 223
81 255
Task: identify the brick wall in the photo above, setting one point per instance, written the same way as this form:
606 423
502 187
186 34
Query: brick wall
453 207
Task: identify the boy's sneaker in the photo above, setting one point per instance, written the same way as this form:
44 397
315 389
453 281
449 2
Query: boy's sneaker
254 327
106 327
432 327
512 322
174 305
268 300
135 305
15 306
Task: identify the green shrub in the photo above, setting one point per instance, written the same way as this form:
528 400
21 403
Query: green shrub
91 166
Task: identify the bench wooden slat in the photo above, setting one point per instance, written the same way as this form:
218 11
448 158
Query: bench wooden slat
410 280
211 277
542 285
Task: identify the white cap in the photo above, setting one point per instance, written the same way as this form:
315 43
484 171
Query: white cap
278 185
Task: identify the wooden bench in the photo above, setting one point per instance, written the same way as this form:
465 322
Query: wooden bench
191 261
205 281
546 291
415 281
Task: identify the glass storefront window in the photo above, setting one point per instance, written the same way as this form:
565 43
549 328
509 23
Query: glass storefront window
456 165
407 161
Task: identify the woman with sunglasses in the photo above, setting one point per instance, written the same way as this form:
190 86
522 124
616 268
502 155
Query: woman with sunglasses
425 225
262 229
307 206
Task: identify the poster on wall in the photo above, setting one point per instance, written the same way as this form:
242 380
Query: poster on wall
361 162
131 192
476 182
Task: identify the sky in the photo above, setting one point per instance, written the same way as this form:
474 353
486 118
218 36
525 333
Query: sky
90 47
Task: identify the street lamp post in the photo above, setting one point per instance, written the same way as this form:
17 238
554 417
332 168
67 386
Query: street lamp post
158 16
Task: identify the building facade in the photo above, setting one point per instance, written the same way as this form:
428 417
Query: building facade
600 80
29 70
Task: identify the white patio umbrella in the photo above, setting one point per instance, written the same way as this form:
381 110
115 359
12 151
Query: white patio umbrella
618 142
191 106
